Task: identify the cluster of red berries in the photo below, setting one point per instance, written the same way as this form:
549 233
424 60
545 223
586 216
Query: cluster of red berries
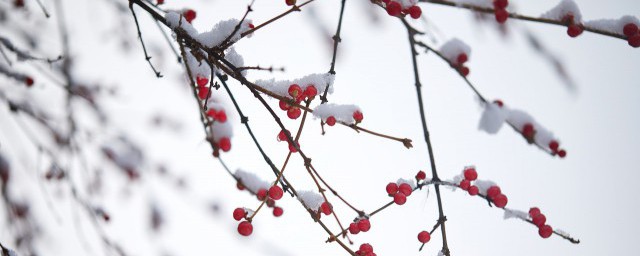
633 34
459 64
298 95
424 237
245 227
399 192
500 10
357 116
573 29
540 220
203 89
554 145
282 136
189 15
361 225
493 193
365 250
395 9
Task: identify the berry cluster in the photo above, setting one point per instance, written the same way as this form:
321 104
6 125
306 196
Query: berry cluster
365 250
360 225
298 94
282 136
573 29
203 89
538 219
395 8
493 193
529 132
399 192
459 64
500 10
633 34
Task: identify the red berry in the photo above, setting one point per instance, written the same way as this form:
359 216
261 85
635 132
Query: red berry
189 15
212 113
421 176
392 188
405 189
326 208
464 70
18 3
462 58
424 237
500 4
493 191
365 248
568 19
245 228
294 113
399 198
275 192
562 153
553 145
465 184
270 202
225 144
282 136
364 225
539 219
394 8
239 186
262 194
202 81
310 92
533 211
353 228
634 41
415 12
501 15
473 190
574 30
159 2
28 81
331 121
470 174
278 211
239 213
358 116
545 231
292 148
630 29
221 116
528 131
203 92
290 2
499 103
284 105
500 201
295 90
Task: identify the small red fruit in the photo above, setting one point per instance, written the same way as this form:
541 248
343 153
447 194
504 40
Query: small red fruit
462 58
500 201
574 30
353 228
501 15
245 228
225 144
399 198
159 2
282 136
358 116
202 81
365 248
275 192
562 153
405 189
310 92
473 190
364 225
421 176
239 213
528 131
545 231
394 8
212 113
533 211
292 148
331 121
415 12
493 191
326 208
284 105
630 29
392 188
470 174
499 103
464 70
294 113
270 203
295 90
28 81
539 219
500 4
634 41
203 92
262 194
290 2
424 237
278 211
221 116
189 15
239 186
553 145
465 184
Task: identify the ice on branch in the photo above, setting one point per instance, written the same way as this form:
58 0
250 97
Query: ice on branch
310 199
511 213
479 3
176 19
281 87
251 181
221 31
453 48
342 113
492 118
613 25
564 8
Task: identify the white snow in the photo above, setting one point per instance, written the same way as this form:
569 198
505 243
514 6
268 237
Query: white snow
492 118
343 113
221 31
483 185
411 182
251 181
235 59
173 20
511 213
311 199
198 68
407 3
281 87
480 3
563 8
454 47
613 25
